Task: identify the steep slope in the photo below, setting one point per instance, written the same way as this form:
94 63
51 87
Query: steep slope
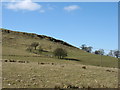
15 44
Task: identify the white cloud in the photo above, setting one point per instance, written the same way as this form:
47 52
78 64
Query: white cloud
71 8
24 5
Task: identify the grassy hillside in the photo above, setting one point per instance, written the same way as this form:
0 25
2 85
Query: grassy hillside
15 43
24 69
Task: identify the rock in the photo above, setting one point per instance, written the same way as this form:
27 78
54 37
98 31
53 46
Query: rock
19 75
4 78
32 79
34 83
84 67
9 84
18 80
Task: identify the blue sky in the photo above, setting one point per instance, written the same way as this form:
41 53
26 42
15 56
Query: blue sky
90 23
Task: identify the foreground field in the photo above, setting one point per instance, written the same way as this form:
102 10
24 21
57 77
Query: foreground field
34 74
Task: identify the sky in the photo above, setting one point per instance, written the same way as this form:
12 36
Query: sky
92 23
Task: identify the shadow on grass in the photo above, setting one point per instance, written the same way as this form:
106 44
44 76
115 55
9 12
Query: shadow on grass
71 59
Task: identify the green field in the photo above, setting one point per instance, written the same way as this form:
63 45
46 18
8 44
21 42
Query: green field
53 72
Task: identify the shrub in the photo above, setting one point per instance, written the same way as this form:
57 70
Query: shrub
60 53
97 52
34 44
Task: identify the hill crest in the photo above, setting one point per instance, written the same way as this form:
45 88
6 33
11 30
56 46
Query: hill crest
34 35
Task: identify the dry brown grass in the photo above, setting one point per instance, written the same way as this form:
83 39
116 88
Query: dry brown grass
47 75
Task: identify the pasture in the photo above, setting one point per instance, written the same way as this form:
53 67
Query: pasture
52 74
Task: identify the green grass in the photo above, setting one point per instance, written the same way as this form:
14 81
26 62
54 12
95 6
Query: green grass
85 58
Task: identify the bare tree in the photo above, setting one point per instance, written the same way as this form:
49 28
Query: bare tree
83 47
